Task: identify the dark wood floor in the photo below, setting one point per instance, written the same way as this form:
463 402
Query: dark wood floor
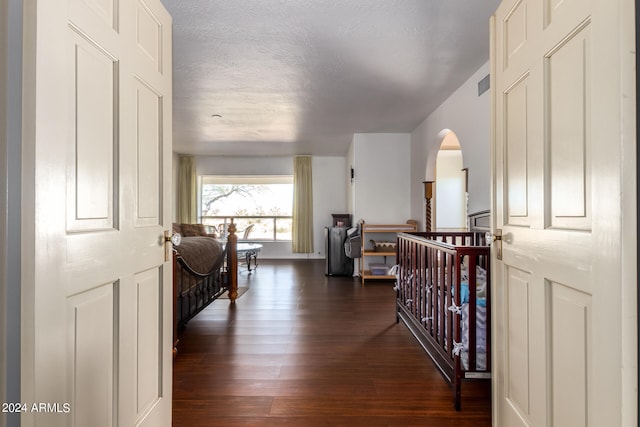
303 349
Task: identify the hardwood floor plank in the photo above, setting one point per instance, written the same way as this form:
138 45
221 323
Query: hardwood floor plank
302 349
184 411
357 406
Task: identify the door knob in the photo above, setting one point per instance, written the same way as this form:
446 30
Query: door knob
496 237
490 238
175 238
170 240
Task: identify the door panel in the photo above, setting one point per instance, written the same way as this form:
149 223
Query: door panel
519 369
149 314
93 368
92 194
149 155
100 15
516 36
516 149
565 14
149 35
569 335
568 84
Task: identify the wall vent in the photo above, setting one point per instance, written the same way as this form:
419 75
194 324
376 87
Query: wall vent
484 85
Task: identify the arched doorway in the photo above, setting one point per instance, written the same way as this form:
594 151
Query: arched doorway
451 191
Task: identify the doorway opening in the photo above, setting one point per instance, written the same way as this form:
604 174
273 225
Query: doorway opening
451 186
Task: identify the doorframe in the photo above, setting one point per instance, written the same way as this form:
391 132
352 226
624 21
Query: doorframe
637 157
630 41
11 44
465 189
3 211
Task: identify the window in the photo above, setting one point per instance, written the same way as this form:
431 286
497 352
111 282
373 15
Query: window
264 201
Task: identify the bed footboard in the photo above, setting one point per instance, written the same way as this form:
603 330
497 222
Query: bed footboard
194 291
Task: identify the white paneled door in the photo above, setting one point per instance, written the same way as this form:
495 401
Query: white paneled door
97 298
563 103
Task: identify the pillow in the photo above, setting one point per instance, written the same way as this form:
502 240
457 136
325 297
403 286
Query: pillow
191 230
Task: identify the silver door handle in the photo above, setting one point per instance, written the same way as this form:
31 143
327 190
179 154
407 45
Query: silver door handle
497 237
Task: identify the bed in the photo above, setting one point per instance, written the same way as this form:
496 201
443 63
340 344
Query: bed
443 297
203 270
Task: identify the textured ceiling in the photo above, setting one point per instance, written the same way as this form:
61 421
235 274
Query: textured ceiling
302 76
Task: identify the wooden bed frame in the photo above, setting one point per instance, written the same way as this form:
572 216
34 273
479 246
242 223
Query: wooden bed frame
193 291
429 289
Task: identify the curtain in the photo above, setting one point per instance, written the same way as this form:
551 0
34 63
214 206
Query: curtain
187 192
302 232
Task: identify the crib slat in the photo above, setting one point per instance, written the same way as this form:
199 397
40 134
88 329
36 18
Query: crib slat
472 313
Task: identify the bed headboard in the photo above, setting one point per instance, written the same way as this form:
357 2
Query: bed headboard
480 221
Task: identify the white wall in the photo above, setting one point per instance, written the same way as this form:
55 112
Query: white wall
468 115
221 165
329 190
382 186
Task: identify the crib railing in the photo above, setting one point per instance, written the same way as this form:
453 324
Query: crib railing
429 289
455 238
